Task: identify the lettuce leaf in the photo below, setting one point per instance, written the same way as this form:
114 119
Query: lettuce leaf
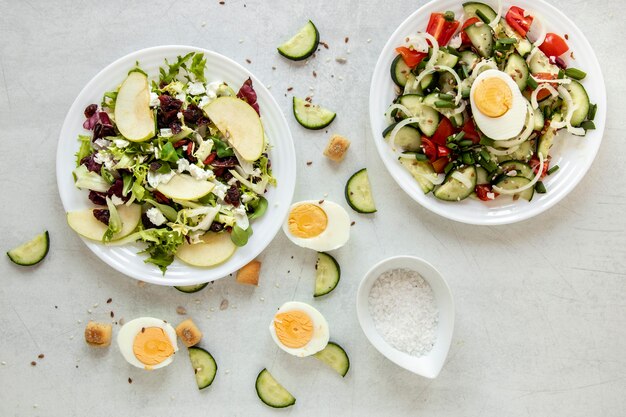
85 148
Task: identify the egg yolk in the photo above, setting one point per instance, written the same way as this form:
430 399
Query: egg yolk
493 97
152 346
307 221
293 328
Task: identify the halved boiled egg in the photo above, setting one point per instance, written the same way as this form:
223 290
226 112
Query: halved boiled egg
299 329
147 342
318 225
498 106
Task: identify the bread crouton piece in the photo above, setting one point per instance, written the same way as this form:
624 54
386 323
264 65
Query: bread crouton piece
249 274
188 333
98 334
336 148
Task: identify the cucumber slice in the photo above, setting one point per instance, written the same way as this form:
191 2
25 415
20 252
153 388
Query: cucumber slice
428 117
469 59
481 37
522 169
271 392
539 120
336 357
399 71
522 46
453 189
302 45
204 366
511 183
545 140
446 59
311 116
189 289
447 83
539 63
31 252
421 171
581 100
407 138
470 8
518 70
523 153
359 192
327 274
482 176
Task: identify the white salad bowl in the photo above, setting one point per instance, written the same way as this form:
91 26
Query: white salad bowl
430 364
125 258
573 154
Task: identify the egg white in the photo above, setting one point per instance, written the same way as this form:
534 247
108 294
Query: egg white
511 123
321 333
126 337
337 230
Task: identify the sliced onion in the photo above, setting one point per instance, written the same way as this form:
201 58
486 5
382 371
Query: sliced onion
434 179
462 179
496 19
555 81
488 63
435 52
531 55
436 68
400 107
502 152
417 43
571 108
542 29
533 96
400 125
527 186
530 126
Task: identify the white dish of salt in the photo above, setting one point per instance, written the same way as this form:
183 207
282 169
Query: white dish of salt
406 311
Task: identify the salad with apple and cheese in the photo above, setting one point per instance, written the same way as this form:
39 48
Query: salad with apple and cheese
177 162
480 101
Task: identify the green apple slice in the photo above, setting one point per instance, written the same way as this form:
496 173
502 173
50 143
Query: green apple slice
85 224
241 125
133 116
214 249
185 187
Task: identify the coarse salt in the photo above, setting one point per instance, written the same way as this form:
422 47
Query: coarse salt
404 311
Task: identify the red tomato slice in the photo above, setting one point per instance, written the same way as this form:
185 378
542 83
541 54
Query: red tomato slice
444 130
440 164
517 20
470 131
554 45
410 57
465 40
482 190
441 28
534 164
430 150
443 150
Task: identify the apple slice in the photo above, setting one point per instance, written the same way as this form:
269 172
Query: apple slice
85 224
185 187
133 116
214 249
240 123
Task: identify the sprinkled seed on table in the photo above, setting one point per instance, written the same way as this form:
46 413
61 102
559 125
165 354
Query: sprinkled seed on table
109 301
41 356
224 304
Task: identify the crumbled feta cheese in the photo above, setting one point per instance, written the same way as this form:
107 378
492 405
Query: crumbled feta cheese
247 197
104 158
232 181
195 89
220 190
181 96
211 90
204 149
116 200
101 143
455 42
256 172
183 165
199 173
204 100
166 133
156 217
241 217
180 115
491 196
154 178
154 100
121 143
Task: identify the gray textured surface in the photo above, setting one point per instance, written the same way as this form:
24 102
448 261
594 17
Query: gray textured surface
540 305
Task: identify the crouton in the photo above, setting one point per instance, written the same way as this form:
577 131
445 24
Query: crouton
188 333
98 334
249 274
336 148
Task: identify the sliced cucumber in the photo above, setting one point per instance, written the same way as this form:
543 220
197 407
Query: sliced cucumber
469 59
204 366
522 46
453 189
539 120
481 37
539 63
482 176
407 138
359 192
422 171
311 116
432 99
581 101
428 118
31 252
545 140
446 59
518 70
447 83
522 169
470 8
399 71
336 357
327 274
411 87
271 392
189 289
523 153
511 183
302 45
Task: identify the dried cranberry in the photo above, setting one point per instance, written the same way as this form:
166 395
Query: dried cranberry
168 111
216 227
90 110
181 142
98 198
226 175
192 113
160 197
176 127
145 220
210 158
232 195
228 162
102 130
117 189
91 164
102 215
154 166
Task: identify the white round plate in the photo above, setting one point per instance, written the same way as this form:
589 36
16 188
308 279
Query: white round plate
573 154
282 154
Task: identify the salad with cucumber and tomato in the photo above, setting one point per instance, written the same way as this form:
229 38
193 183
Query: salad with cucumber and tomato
177 162
480 100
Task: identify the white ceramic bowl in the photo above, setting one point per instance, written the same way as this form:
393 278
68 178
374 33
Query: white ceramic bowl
573 154
430 364
282 154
